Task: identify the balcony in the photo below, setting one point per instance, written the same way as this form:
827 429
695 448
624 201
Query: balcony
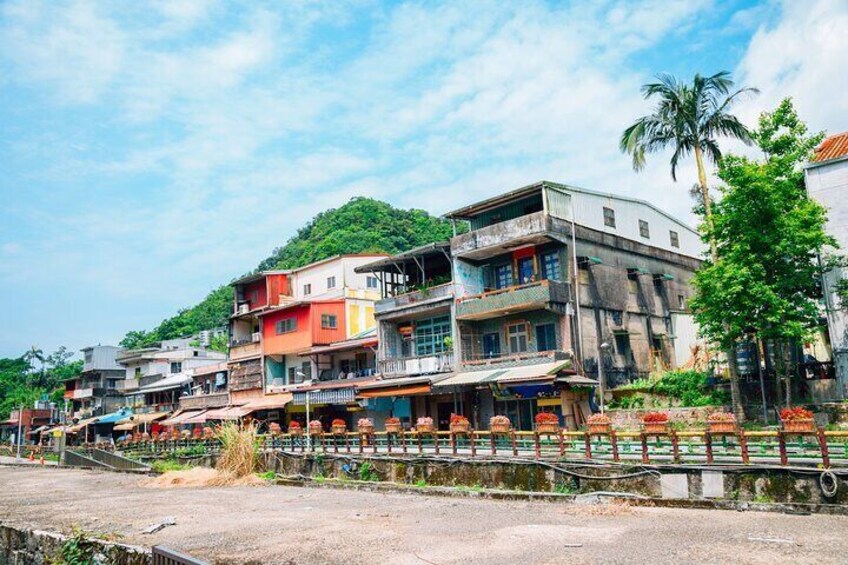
416 299
421 365
521 298
203 401
82 393
504 236
245 350
126 384
515 359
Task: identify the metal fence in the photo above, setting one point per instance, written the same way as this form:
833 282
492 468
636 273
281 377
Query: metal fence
165 556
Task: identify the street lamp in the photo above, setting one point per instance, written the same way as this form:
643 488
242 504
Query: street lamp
603 348
308 395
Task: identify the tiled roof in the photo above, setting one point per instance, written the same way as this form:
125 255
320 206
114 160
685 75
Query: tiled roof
832 147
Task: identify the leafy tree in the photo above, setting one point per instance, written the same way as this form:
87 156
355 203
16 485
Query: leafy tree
22 384
688 118
363 225
768 233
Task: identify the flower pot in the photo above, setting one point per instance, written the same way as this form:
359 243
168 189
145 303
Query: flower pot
547 428
500 428
316 430
799 426
460 427
424 428
722 427
296 432
339 430
600 429
393 428
656 427
367 430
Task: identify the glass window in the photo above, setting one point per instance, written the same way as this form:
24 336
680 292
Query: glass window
503 276
644 230
550 266
681 301
371 282
176 367
583 276
675 239
430 335
328 321
307 289
286 325
517 334
331 282
633 286
609 217
546 337
491 346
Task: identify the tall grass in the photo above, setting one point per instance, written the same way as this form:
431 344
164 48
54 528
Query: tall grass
239 449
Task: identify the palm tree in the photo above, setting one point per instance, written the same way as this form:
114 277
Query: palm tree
688 118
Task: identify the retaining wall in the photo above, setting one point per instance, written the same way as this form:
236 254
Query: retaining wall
35 547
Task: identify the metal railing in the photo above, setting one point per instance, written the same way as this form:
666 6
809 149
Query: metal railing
166 556
417 365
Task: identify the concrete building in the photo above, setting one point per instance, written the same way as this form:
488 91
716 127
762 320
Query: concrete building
826 178
95 391
550 279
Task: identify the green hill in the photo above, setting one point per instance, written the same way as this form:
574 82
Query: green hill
363 225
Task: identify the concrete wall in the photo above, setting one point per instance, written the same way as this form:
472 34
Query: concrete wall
35 547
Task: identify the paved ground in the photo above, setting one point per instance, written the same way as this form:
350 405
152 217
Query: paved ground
300 525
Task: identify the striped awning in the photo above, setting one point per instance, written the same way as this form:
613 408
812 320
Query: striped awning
268 402
337 396
197 418
139 419
180 418
228 413
408 390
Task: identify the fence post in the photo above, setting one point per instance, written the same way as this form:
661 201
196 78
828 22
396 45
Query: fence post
781 442
372 437
494 443
823 445
514 444
644 437
587 439
614 444
675 447
453 442
403 440
473 441
708 443
561 444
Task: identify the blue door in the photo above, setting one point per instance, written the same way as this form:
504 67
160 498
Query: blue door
525 270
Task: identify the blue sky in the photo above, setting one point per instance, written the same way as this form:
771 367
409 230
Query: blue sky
151 151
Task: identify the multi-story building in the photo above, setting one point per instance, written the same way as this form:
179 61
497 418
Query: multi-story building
549 281
95 391
826 178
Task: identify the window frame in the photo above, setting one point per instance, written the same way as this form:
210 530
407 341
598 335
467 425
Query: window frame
281 325
506 269
178 365
329 322
609 217
544 260
644 229
545 329
307 289
674 239
518 335
331 282
368 282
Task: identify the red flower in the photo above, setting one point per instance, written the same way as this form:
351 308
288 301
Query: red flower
547 418
795 414
392 421
721 417
294 424
655 418
599 419
458 419
339 422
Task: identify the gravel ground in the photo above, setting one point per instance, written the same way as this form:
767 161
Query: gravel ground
276 524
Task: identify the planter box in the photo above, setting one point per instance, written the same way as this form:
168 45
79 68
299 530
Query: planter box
296 432
547 428
367 430
393 428
424 428
339 430
722 427
656 427
799 426
316 430
600 429
501 428
460 428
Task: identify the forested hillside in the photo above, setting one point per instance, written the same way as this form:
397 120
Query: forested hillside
362 225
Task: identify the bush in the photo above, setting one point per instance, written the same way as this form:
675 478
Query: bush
239 449
690 387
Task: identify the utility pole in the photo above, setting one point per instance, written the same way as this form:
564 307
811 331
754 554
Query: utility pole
20 427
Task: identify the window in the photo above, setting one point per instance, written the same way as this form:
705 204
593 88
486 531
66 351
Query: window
550 266
286 325
254 297
503 276
525 270
675 239
137 372
430 335
331 282
88 356
517 335
306 369
609 217
681 301
371 282
328 321
583 276
176 367
546 337
307 289
644 230
491 346
622 346
633 286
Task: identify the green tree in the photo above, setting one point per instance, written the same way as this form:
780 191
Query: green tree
688 118
768 233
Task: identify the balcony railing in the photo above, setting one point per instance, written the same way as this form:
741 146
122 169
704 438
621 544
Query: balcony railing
535 224
83 393
521 298
420 365
245 350
413 297
507 359
200 401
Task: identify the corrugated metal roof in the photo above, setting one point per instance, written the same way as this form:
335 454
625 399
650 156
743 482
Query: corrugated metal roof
832 147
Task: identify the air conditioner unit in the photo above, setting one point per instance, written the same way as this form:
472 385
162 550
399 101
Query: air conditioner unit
243 308
429 365
256 337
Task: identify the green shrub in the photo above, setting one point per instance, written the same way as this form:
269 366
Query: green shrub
165 465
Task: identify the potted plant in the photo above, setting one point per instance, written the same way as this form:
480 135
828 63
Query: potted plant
208 433
274 429
459 424
499 424
547 423
424 425
365 425
393 425
721 423
295 428
599 424
797 420
655 422
315 427
339 426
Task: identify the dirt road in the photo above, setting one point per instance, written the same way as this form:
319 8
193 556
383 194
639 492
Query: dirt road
276 524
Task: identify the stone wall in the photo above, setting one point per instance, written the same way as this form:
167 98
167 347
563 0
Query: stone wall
632 419
35 547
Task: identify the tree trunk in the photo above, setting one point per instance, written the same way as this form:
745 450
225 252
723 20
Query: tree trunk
735 392
778 372
708 205
787 366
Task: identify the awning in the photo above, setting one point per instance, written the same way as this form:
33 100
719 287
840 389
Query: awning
198 418
577 380
115 417
228 413
538 372
9 423
472 378
403 381
268 402
408 390
124 427
180 417
168 383
38 430
141 419
332 396
76 428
